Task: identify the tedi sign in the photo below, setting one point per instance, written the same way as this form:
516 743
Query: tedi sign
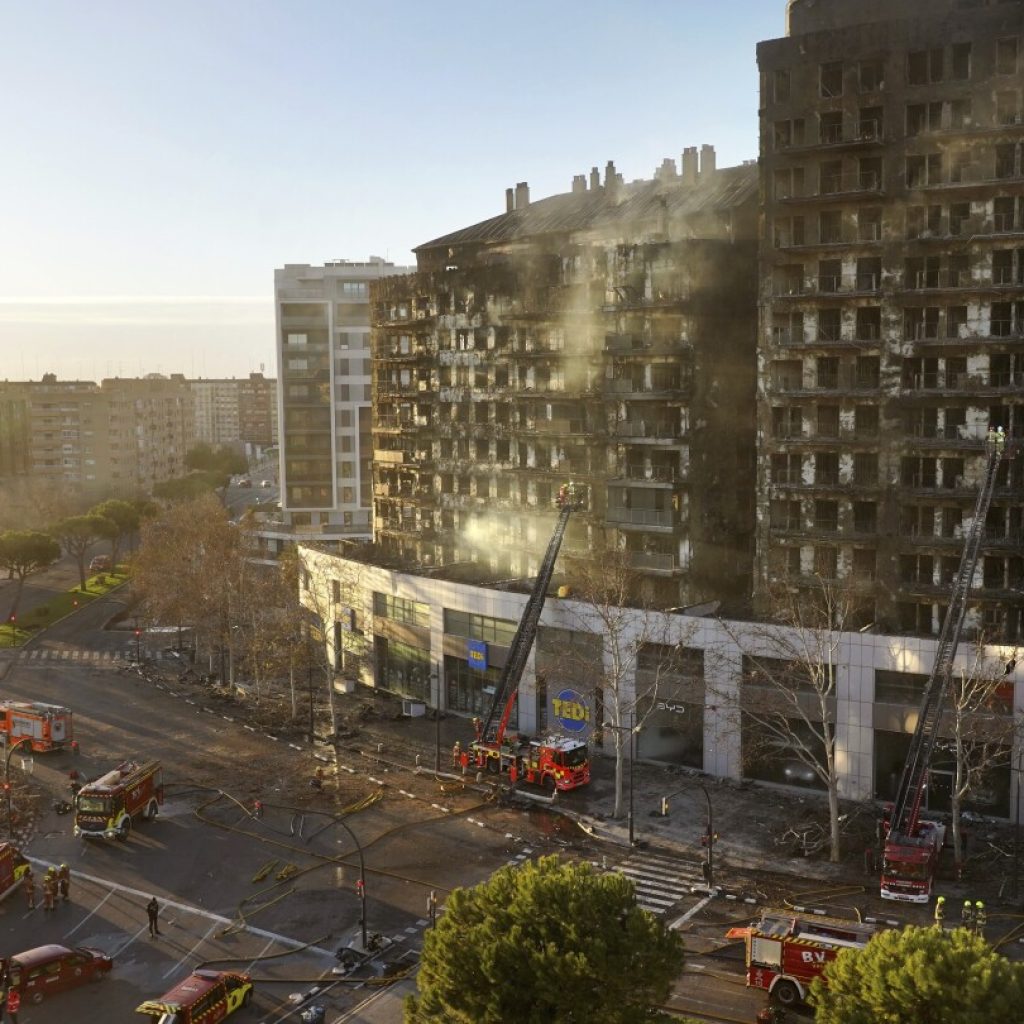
571 711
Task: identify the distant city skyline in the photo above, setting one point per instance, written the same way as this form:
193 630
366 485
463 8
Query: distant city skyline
163 161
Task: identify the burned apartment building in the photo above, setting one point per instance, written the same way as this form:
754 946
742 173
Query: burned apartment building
892 303
604 336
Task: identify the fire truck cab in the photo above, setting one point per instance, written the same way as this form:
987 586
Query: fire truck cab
105 807
45 726
910 863
785 952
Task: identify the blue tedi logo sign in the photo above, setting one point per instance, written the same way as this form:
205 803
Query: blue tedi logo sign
571 711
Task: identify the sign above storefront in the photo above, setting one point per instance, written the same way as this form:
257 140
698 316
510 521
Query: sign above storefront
571 711
476 654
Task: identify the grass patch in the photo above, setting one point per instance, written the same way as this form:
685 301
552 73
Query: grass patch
58 606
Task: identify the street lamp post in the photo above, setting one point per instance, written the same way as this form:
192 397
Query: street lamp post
361 882
709 832
435 689
7 778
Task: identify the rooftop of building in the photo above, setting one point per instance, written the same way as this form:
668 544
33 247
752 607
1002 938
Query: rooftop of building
607 205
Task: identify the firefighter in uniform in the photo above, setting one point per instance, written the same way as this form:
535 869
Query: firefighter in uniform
49 890
30 890
456 754
940 911
64 883
980 918
967 914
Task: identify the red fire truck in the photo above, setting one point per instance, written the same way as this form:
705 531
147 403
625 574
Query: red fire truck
46 726
105 807
13 868
554 762
786 951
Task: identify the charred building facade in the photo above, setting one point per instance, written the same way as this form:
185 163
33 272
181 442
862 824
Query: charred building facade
892 302
605 336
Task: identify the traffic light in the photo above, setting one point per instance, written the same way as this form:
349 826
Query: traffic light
138 632
360 888
7 787
704 838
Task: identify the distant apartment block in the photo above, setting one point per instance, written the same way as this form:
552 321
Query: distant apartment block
604 336
119 437
14 435
323 350
236 411
892 303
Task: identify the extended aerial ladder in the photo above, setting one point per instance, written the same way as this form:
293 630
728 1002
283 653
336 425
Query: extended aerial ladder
555 763
912 846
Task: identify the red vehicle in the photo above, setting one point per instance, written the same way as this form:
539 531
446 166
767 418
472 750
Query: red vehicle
13 868
785 952
39 973
204 997
45 726
105 808
555 762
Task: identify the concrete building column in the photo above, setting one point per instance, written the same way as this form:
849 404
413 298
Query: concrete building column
722 674
855 735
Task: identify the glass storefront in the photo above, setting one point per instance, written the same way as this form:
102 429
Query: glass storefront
403 669
471 690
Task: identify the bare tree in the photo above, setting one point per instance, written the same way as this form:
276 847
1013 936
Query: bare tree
982 725
787 702
638 648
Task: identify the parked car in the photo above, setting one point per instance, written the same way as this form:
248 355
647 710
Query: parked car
245 482
266 483
40 972
101 563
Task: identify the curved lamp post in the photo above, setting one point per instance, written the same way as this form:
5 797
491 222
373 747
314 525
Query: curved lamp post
7 777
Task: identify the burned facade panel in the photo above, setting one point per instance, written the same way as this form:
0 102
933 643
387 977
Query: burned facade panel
604 336
892 303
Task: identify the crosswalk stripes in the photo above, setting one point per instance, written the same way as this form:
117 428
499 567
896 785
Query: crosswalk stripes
76 654
660 882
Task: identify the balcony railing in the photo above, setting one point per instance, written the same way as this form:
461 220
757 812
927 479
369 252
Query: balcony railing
619 516
658 562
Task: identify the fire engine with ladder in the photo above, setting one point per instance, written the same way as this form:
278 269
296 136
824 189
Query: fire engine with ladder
45 726
554 762
912 845
786 951
106 807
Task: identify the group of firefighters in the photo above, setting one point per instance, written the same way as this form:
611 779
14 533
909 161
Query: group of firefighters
56 881
972 915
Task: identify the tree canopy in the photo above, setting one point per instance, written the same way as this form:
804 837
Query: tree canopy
23 552
221 461
920 974
122 519
186 488
76 534
541 943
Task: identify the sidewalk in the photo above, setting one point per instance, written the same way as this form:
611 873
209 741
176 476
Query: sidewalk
746 817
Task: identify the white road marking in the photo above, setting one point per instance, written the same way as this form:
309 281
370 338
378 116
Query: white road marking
186 908
119 951
192 951
680 921
67 935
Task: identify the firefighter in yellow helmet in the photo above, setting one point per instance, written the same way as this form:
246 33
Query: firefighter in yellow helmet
980 918
64 883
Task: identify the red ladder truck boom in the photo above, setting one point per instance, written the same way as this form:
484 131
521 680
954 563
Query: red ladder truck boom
912 846
553 762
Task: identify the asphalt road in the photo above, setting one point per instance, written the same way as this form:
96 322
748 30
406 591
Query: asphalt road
202 857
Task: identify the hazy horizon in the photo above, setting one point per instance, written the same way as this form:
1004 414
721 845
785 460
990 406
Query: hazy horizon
163 161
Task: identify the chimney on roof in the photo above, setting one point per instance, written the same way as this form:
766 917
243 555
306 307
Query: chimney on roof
667 170
707 160
510 203
522 195
579 183
690 165
595 179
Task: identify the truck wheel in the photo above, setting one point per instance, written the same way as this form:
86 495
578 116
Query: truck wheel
125 830
548 784
37 997
786 993
151 811
247 998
